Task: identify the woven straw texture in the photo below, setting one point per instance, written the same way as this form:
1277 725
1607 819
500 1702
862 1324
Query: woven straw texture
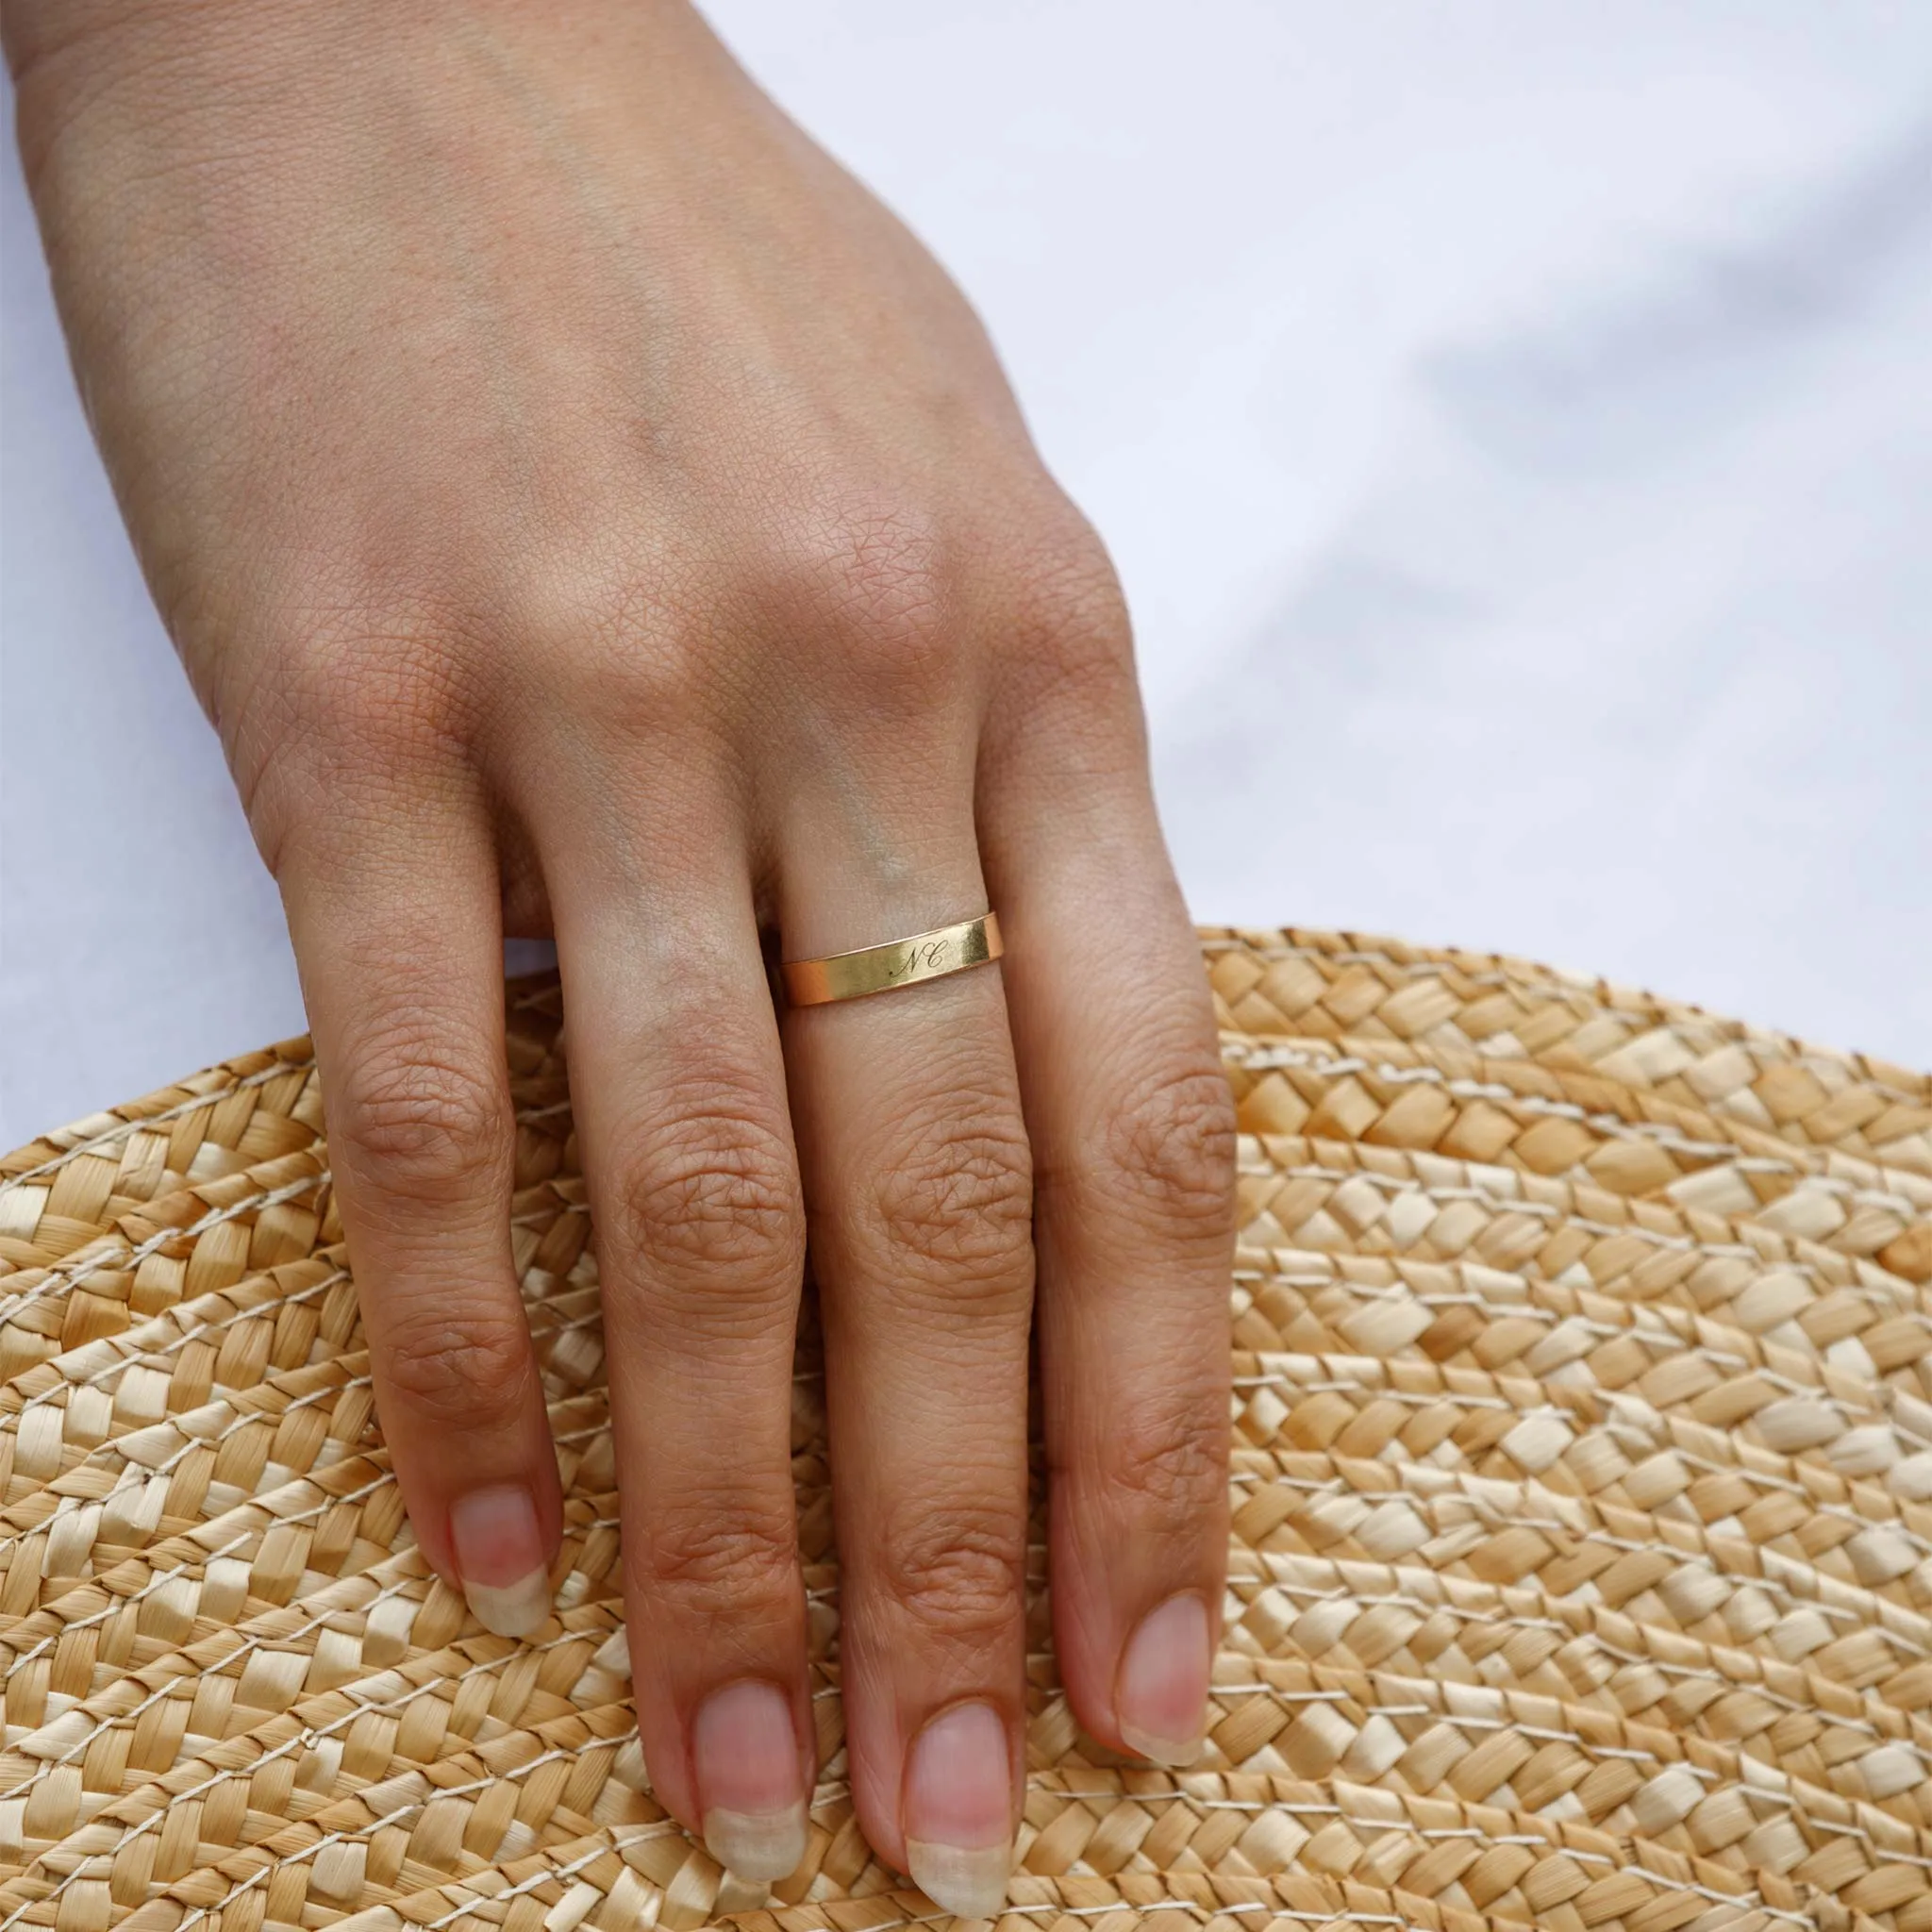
1581 1572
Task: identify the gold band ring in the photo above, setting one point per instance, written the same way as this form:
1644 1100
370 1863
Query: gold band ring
898 962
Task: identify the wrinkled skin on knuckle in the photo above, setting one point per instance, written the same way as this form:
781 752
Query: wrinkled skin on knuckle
951 1196
708 1204
459 1368
955 1571
399 694
1067 591
1168 1149
1163 1461
1064 697
1069 637
353 714
623 653
418 1123
619 701
718 1558
870 580
407 662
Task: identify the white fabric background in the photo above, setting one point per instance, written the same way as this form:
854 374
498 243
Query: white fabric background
1513 421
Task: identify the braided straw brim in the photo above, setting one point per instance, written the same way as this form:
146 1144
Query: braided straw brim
1581 1573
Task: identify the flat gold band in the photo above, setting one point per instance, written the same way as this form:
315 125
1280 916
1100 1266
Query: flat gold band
898 962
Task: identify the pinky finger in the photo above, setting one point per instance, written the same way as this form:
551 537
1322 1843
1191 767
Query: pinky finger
1132 1126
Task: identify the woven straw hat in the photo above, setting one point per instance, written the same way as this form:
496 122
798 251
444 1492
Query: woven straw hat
1582 1561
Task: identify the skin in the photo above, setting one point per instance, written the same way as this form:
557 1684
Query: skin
584 511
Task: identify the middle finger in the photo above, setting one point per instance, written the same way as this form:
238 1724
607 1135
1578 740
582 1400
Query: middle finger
678 1088
918 1184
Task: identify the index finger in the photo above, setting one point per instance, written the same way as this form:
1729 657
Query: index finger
396 933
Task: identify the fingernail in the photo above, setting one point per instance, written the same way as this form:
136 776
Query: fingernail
957 1811
499 1551
746 1755
1160 1698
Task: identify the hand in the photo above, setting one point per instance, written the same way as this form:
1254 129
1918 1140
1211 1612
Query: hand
581 507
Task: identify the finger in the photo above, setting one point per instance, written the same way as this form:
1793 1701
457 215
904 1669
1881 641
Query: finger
1133 1139
679 1091
917 1178
395 927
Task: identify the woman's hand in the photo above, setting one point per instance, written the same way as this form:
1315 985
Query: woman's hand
582 508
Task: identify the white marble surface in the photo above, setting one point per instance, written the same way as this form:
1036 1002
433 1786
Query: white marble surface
1514 423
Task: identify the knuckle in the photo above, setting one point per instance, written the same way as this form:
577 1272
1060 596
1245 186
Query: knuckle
1068 613
619 655
462 1369
387 703
719 1560
708 1197
956 1189
1166 1455
419 1124
876 574
391 681
1068 592
1170 1149
1065 680
960 1575
352 714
